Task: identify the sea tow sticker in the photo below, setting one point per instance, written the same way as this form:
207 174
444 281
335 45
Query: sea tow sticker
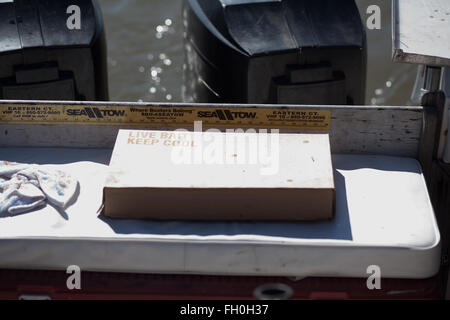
166 116
264 117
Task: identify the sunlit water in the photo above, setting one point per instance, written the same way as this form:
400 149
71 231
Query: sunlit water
145 53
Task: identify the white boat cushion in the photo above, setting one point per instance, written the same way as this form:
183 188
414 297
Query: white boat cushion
383 217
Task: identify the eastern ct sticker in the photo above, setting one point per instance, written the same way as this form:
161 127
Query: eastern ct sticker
168 116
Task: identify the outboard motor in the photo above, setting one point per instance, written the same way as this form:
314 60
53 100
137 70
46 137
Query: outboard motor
52 50
274 51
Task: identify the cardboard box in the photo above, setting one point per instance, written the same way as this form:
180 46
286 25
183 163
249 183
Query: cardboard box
175 175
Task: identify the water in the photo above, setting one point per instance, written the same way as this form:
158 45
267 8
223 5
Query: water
145 53
145 49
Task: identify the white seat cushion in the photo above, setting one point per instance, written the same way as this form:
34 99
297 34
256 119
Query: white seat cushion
383 217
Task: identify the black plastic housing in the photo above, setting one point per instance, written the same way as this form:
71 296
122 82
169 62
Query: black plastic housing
274 51
42 59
